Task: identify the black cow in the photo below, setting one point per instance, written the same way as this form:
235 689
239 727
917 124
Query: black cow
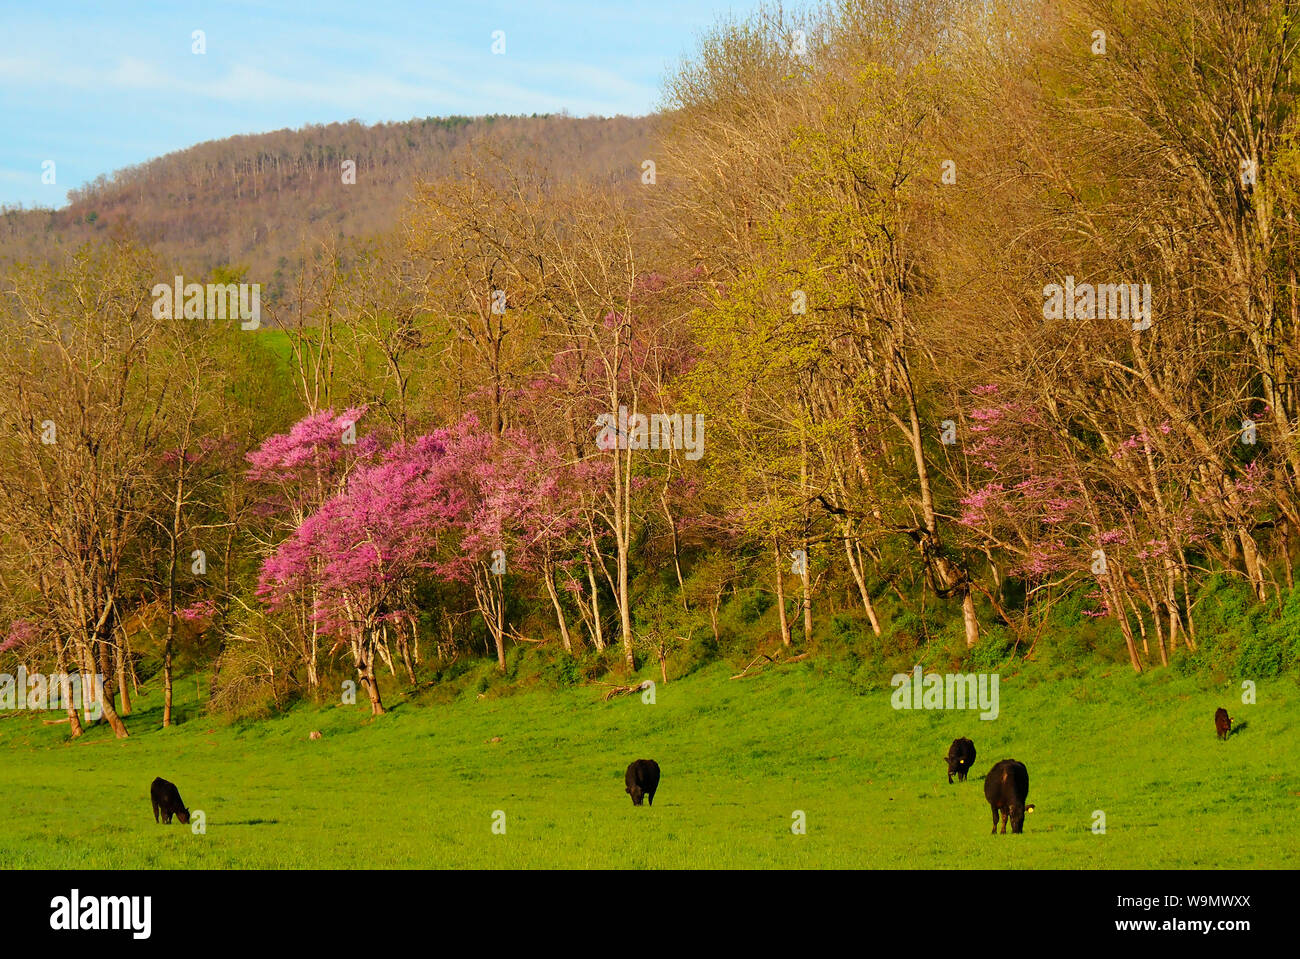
1222 723
642 780
167 800
960 758
1005 787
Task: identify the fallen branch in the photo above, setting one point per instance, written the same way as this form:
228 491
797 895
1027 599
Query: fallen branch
771 660
619 690
751 663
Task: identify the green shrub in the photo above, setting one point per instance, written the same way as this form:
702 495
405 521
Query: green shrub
847 629
861 674
1260 656
560 670
753 604
992 650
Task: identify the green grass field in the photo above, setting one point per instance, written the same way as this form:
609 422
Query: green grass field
419 787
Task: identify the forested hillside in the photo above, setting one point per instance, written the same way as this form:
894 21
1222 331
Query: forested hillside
251 201
922 332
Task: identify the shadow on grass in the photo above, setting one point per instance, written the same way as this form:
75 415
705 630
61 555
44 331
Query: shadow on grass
251 822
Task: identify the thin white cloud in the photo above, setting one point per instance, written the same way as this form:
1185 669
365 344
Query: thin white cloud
518 86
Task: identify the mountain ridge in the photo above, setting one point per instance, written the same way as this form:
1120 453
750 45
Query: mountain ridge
250 200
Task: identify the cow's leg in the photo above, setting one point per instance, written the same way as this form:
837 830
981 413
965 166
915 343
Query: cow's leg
949 778
155 812
1005 817
995 820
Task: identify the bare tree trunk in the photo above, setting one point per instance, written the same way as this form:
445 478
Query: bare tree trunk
74 721
1286 554
1154 602
120 654
366 669
625 608
404 649
806 576
1254 566
1111 589
677 553
968 618
313 671
168 644
780 593
856 569
92 694
1142 626
488 593
598 633
949 578
381 647
501 623
555 601
105 668
216 671
807 599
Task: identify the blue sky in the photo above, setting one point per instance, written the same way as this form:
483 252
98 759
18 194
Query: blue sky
96 86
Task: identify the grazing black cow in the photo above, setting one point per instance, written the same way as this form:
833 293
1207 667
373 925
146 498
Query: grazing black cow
961 755
642 780
167 800
1222 723
1005 787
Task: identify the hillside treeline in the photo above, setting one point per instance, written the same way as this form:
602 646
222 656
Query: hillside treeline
927 332
249 200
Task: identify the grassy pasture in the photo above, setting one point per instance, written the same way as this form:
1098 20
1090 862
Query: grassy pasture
418 788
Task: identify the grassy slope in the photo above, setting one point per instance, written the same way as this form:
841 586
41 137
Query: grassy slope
418 787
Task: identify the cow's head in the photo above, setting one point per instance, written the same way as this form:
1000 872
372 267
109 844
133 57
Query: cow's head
1018 817
636 794
955 763
183 815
